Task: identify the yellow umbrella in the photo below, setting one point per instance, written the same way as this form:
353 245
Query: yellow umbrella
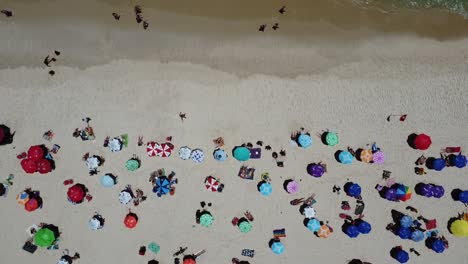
366 155
459 228
324 231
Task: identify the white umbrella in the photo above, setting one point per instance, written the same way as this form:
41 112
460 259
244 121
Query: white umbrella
94 224
197 155
309 212
125 197
115 145
62 261
92 163
184 153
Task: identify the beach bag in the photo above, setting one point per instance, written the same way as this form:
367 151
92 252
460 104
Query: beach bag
29 247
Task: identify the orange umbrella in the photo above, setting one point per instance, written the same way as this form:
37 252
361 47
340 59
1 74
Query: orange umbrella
324 231
131 220
366 155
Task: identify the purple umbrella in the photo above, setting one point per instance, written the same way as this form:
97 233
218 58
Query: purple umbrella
426 190
315 170
438 191
391 195
379 157
292 187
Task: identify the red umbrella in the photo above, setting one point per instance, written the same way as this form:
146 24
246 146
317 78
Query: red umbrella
189 261
28 165
76 193
422 141
35 153
431 224
31 205
131 220
151 148
43 166
164 150
212 184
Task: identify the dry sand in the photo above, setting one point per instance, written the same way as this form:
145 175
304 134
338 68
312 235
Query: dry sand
244 87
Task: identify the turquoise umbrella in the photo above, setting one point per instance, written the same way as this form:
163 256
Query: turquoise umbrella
346 157
241 153
313 225
266 189
277 248
304 140
331 138
107 181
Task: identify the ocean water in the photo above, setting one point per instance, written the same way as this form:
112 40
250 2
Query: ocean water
459 7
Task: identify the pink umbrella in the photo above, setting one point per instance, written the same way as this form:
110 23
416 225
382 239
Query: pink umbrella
151 148
379 157
292 187
163 150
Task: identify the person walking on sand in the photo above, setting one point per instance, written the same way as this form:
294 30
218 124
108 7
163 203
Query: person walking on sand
182 116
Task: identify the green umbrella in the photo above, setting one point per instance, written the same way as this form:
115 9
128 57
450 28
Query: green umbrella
44 237
206 219
245 227
132 164
154 247
125 139
241 153
331 139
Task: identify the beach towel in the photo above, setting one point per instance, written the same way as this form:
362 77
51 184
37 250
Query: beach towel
246 173
255 153
248 253
277 233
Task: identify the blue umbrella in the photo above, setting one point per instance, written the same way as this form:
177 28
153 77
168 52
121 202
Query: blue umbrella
404 233
402 256
438 246
107 181
266 189
463 197
277 248
438 191
313 225
354 190
438 164
304 140
459 161
364 227
406 221
345 157
219 155
163 186
417 235
352 231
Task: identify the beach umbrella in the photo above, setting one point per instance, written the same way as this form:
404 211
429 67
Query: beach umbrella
313 225
63 260
163 185
153 247
403 192
212 184
458 161
163 150
402 256
184 153
35 153
345 157
406 221
151 148
422 141
292 187
28 165
379 157
266 188
438 246
438 191
245 226
44 237
277 248
107 181
130 220
219 155
132 164
206 219
115 145
417 235
189 261
31 205
76 193
364 227
352 231
463 197
241 153
438 164
92 163
431 224
43 166
331 139
125 197
23 197
309 212
459 228
366 155
391 195
354 190
316 170
324 231
304 140
94 224
425 190
197 155
404 232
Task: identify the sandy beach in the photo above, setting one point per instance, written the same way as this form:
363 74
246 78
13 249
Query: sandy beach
242 85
